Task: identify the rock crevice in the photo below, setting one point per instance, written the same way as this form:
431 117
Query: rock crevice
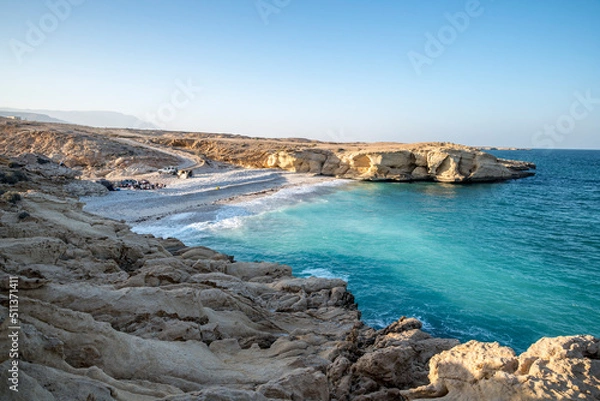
188 323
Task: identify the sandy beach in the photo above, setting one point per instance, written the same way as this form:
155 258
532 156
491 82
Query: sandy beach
205 192
110 314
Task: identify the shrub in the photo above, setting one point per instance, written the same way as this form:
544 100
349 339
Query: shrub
12 177
11 197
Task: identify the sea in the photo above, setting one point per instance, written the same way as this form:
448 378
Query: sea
508 262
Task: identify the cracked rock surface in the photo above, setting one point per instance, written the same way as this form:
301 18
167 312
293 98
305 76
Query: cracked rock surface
107 314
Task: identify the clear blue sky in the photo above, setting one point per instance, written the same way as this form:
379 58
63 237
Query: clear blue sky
331 70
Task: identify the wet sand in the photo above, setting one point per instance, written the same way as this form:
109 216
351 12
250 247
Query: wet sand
205 191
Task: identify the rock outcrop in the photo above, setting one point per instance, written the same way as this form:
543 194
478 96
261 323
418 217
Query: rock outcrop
452 164
106 314
95 152
98 152
562 368
442 162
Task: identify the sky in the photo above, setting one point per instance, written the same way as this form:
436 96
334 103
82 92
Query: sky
488 72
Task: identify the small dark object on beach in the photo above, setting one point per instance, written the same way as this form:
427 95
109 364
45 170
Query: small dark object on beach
107 184
23 215
142 184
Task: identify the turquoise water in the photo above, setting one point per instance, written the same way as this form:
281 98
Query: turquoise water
508 262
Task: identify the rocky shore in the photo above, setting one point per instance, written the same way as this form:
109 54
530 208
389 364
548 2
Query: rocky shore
106 153
106 314
441 162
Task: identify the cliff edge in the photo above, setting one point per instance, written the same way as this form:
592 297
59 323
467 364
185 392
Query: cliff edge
100 152
441 162
107 314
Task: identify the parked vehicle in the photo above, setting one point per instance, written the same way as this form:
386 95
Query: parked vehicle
128 183
168 170
185 174
142 184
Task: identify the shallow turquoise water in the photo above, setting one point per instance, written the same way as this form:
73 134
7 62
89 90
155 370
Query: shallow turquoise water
508 262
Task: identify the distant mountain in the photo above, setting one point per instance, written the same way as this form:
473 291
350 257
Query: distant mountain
30 116
102 119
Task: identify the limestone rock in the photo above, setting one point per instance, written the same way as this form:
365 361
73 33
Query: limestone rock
85 188
441 162
385 361
218 394
301 384
106 314
562 368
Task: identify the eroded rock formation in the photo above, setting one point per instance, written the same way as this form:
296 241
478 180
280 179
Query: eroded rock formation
92 151
441 162
106 314
561 368
454 164
98 152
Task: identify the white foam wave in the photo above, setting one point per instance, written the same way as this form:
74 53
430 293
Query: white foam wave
288 196
323 273
194 225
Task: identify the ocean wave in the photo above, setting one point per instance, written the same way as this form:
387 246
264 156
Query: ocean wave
322 273
234 216
288 196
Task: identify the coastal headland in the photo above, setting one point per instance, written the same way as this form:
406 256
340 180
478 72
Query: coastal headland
92 310
109 152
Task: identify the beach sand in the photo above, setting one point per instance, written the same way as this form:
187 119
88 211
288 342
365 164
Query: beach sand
208 190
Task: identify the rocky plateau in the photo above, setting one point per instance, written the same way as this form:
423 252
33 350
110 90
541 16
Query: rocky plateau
99 152
107 314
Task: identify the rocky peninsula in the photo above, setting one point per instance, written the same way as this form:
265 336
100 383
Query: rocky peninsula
104 152
103 313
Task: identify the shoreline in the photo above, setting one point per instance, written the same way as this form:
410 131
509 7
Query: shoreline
121 316
205 192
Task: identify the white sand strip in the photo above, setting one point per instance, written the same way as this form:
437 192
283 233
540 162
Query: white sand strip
205 191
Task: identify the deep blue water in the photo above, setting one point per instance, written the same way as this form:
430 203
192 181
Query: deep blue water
508 262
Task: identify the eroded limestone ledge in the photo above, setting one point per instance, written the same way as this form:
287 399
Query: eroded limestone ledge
442 162
107 314
98 152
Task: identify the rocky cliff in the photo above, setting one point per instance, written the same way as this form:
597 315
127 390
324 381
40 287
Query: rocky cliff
428 163
443 162
106 314
92 151
98 152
